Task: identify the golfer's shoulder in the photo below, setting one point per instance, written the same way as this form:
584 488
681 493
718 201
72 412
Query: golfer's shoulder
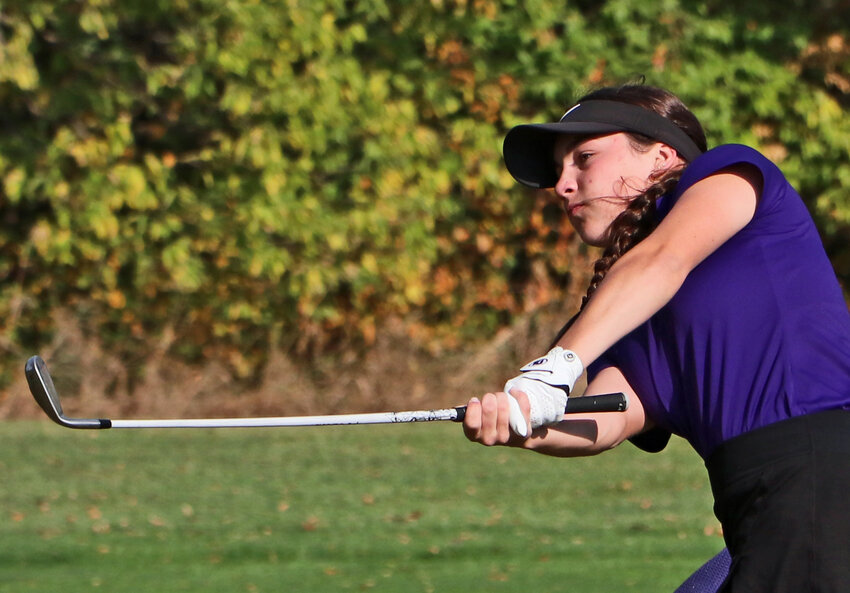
737 158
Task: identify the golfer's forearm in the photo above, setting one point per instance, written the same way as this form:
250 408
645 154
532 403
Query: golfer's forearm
580 436
635 288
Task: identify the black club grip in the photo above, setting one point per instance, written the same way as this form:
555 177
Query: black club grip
606 402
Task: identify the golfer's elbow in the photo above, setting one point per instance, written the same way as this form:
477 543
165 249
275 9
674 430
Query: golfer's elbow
613 430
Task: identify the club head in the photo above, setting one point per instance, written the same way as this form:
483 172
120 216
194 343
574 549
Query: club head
42 389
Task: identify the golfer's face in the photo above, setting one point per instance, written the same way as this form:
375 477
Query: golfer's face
597 179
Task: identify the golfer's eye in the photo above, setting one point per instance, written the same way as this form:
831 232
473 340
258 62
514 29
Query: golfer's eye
583 157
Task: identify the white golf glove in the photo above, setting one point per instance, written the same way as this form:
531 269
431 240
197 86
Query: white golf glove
547 381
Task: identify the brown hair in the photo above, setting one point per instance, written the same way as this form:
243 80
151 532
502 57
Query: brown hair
638 220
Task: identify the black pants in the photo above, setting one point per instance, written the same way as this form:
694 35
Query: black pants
782 494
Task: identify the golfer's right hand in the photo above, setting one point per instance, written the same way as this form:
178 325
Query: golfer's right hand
495 419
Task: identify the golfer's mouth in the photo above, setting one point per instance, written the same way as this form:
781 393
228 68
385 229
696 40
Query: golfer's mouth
574 209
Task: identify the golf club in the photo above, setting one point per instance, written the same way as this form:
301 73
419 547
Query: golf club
44 392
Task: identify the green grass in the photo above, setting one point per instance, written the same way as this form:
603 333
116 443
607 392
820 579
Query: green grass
388 508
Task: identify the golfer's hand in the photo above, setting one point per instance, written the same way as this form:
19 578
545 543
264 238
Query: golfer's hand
547 381
488 420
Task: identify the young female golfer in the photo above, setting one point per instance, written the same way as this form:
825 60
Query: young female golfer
715 308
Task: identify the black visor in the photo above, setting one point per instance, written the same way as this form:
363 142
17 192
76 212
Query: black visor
529 149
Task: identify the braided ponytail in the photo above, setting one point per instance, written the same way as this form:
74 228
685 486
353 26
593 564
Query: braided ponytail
630 227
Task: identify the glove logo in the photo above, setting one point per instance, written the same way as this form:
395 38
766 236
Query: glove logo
538 362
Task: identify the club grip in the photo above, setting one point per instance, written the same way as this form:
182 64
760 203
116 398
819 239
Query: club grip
606 402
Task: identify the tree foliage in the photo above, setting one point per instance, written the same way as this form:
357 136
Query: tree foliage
240 174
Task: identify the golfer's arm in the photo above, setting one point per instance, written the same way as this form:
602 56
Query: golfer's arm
580 435
645 279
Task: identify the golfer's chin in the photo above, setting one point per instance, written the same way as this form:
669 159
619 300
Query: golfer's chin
593 235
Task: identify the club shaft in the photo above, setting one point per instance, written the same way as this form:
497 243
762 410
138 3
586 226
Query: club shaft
331 420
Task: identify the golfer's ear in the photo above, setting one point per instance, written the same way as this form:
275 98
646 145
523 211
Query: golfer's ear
666 157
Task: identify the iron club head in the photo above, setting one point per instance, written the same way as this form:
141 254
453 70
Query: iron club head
42 389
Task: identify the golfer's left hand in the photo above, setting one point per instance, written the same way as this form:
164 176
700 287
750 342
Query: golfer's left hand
547 382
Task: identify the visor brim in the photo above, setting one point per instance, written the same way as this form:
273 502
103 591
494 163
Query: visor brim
530 149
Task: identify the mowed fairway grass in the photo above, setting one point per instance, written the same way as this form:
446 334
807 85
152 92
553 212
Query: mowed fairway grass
384 508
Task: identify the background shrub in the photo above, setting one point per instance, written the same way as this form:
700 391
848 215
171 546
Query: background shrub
220 179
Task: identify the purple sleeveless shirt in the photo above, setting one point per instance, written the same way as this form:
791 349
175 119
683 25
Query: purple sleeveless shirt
759 331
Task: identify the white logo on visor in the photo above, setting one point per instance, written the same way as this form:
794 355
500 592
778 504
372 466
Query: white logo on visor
570 110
